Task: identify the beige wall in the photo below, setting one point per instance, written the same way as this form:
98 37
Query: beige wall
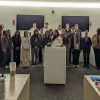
7 14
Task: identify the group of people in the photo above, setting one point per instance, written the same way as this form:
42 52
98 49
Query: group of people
35 42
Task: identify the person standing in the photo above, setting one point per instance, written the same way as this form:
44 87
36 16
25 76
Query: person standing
16 39
67 29
7 48
25 50
45 41
35 44
62 33
76 47
40 48
33 28
57 40
59 29
86 49
67 43
70 35
77 28
46 27
51 34
96 48
2 33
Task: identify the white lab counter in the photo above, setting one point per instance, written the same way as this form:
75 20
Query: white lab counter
55 65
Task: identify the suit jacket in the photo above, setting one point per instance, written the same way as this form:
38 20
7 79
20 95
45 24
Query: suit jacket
87 44
95 41
67 43
70 35
4 43
67 31
25 42
80 33
72 43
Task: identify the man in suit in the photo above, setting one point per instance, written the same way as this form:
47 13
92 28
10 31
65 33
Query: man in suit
77 28
86 49
67 29
76 47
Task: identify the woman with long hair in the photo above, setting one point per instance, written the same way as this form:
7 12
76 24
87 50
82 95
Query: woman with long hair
35 44
16 39
7 48
25 49
56 34
57 40
51 34
46 39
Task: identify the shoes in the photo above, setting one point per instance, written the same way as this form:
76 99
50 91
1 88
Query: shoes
77 66
73 65
87 66
36 65
23 66
6 66
33 66
84 66
97 68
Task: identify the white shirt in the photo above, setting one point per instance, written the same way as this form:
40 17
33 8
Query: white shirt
32 31
45 29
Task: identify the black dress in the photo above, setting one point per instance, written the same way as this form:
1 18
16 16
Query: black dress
16 50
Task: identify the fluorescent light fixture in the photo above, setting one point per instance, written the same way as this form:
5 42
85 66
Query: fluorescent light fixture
50 4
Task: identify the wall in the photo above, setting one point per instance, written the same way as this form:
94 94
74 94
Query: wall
7 14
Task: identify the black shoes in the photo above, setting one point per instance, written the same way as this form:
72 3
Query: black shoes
84 66
87 66
97 68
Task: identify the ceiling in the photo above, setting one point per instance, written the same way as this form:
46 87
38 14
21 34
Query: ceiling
58 0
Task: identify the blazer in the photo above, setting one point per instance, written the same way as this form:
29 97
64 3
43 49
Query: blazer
87 44
70 35
67 43
95 41
80 33
2 33
67 31
72 43
4 43
25 42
